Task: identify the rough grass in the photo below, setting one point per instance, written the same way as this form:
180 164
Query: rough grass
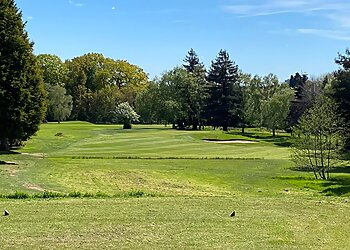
162 188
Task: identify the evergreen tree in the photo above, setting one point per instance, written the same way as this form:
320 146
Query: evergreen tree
195 94
225 97
22 93
299 104
192 63
340 90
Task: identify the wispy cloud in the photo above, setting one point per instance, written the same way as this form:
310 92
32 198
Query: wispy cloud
274 7
113 7
30 18
71 2
335 12
332 34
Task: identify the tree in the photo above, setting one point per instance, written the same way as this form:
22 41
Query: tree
340 90
126 115
318 138
102 103
59 104
55 77
225 96
54 70
275 108
251 100
148 104
22 93
299 104
196 84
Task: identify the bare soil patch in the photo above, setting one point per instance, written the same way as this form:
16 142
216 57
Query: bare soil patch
33 187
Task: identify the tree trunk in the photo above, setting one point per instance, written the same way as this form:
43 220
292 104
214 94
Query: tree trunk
243 127
225 128
4 144
195 127
273 132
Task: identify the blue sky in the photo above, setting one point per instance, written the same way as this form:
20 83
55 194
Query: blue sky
261 36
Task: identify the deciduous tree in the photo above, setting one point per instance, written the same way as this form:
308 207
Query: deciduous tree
318 138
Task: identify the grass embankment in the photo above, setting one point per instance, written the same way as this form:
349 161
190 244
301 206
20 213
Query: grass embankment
196 182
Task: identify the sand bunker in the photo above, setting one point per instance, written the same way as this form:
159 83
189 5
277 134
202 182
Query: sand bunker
231 142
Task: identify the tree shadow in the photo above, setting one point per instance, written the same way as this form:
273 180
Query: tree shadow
7 163
334 170
278 140
9 153
338 185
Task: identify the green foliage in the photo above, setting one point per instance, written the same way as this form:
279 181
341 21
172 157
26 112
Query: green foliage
92 76
59 104
54 70
102 103
149 104
318 139
224 103
22 93
275 108
125 114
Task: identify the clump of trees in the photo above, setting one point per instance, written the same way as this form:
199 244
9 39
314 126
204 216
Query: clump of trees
89 87
22 92
188 97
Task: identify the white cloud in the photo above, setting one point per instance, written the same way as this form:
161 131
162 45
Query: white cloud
275 7
113 8
336 13
71 2
332 34
30 18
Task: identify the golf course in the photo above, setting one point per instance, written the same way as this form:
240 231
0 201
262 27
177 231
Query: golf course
79 185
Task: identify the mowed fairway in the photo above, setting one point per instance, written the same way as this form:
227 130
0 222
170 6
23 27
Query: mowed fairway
188 182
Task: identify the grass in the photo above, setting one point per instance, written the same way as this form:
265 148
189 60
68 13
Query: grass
98 186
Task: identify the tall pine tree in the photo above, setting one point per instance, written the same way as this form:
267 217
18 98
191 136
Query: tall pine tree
195 92
299 104
22 93
224 103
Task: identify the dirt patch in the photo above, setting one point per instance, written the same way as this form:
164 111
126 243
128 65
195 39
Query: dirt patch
231 141
33 187
11 172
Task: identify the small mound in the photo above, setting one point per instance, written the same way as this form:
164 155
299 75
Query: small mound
230 141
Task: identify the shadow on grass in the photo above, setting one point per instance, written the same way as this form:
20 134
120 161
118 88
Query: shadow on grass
335 186
7 163
335 170
8 153
278 140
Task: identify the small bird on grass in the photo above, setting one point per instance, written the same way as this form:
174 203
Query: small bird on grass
6 213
